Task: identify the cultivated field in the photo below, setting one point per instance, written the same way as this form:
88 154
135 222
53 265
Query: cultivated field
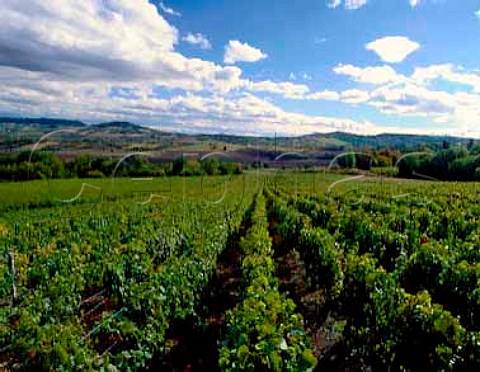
267 270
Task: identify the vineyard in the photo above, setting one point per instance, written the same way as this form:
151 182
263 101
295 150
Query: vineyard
275 270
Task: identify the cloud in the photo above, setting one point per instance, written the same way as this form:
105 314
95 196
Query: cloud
393 49
320 40
456 112
447 72
303 75
354 4
371 75
333 4
90 41
121 45
354 96
477 14
413 100
306 76
239 113
327 95
197 39
347 4
96 60
168 10
86 60
414 3
258 116
235 51
286 89
85 39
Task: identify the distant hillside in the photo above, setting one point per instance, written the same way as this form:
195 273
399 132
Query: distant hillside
394 141
42 121
116 137
339 141
122 125
307 142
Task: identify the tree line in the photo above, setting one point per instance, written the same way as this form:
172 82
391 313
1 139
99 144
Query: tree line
47 165
456 163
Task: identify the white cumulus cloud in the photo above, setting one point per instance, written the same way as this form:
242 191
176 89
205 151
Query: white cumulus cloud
198 39
354 4
111 60
327 95
393 49
333 4
391 93
448 72
347 4
236 51
371 75
95 60
89 41
168 10
286 89
414 3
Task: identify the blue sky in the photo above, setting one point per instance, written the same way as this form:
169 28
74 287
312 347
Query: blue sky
246 67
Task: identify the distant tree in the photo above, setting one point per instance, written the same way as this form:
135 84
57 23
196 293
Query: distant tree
348 161
210 166
363 161
177 166
82 165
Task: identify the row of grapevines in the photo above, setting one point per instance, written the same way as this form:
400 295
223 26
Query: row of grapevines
406 244
386 326
318 249
148 271
263 331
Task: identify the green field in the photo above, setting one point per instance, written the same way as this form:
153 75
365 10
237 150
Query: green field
268 270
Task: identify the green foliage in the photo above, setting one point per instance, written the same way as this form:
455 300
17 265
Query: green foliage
401 272
407 270
453 163
47 165
263 332
146 273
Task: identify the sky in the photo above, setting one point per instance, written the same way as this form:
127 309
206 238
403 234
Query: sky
242 67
